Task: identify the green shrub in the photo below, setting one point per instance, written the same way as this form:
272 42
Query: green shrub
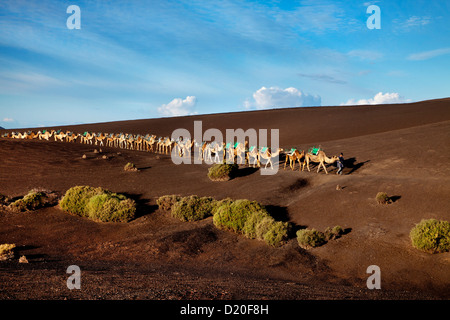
222 171
252 222
166 202
193 208
277 233
76 199
263 227
30 201
111 207
334 233
7 251
233 215
431 236
383 198
241 216
34 199
310 238
98 204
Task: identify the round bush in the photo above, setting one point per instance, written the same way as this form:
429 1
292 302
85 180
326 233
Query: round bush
34 199
250 225
277 233
263 227
7 251
193 208
431 236
166 202
30 201
222 171
76 199
383 198
130 167
334 233
310 238
232 216
98 204
111 207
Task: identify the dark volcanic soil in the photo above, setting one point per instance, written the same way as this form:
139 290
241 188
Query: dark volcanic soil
400 149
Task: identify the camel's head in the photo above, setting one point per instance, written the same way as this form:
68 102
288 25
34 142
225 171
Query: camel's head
335 158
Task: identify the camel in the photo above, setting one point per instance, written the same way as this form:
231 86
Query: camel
165 145
187 147
149 142
29 135
201 149
129 141
45 134
294 155
252 153
59 135
120 140
159 143
321 158
86 137
110 140
138 142
237 150
267 154
70 136
99 137
215 148
184 147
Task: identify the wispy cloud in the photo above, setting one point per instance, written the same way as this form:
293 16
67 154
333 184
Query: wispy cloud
411 23
322 77
369 55
20 82
8 120
425 55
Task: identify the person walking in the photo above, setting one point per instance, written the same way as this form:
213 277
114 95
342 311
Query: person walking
340 164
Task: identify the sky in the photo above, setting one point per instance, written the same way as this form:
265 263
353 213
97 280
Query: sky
150 59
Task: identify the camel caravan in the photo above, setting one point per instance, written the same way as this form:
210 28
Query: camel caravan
210 152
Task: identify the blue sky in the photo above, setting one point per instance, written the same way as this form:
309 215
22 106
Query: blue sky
149 59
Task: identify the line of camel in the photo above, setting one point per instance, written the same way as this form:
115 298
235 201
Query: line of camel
183 148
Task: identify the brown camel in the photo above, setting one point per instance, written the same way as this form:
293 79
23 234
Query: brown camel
252 153
150 142
237 150
267 154
292 156
45 134
320 158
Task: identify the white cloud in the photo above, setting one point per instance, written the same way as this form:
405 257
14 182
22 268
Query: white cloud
417 21
379 98
411 23
8 120
275 97
425 55
178 107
